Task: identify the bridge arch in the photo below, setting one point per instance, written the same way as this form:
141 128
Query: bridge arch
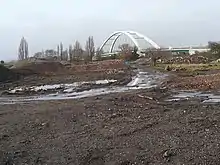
131 34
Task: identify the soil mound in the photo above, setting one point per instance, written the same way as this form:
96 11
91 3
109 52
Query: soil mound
99 66
6 74
202 82
58 68
192 59
42 67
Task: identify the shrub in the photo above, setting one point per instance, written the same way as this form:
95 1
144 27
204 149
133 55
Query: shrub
130 55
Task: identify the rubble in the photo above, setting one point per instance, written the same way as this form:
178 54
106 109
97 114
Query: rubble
193 59
202 82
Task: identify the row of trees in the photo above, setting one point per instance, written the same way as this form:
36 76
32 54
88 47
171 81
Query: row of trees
75 52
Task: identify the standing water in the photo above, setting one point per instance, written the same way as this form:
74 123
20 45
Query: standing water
142 80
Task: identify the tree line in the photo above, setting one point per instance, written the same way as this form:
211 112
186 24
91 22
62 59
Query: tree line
74 52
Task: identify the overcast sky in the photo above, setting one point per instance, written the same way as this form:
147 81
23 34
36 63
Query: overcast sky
45 23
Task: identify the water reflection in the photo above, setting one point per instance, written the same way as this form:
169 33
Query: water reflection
142 80
186 95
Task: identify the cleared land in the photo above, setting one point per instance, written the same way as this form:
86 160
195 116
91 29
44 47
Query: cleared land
133 127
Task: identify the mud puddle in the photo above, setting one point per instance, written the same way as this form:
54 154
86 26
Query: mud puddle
205 97
54 87
142 80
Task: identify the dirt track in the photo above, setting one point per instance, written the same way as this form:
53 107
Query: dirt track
137 127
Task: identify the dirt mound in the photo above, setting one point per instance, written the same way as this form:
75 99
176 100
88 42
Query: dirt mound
143 61
43 67
193 59
6 74
99 66
202 82
54 67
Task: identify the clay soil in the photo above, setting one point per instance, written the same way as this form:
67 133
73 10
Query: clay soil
137 127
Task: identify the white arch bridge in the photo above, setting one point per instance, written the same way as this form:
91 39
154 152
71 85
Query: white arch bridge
139 40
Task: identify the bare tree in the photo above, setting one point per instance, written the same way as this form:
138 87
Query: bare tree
58 50
128 52
61 51
42 53
90 48
135 54
70 53
158 55
124 48
65 55
26 50
23 50
99 53
77 51
214 47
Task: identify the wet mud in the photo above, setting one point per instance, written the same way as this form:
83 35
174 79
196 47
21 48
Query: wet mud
141 80
204 97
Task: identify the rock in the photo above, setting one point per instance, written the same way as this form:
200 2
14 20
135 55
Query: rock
167 154
97 98
25 141
168 68
4 137
45 124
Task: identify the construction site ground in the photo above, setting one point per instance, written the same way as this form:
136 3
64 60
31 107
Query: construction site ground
125 128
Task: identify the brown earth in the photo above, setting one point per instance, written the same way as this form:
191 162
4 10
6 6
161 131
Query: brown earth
52 72
204 82
117 129
137 127
45 67
6 74
208 81
58 68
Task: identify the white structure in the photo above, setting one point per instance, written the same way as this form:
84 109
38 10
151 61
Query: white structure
134 36
193 51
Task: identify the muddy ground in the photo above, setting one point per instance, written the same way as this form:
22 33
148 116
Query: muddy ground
41 73
134 127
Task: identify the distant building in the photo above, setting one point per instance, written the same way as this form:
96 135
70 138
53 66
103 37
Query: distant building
188 50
